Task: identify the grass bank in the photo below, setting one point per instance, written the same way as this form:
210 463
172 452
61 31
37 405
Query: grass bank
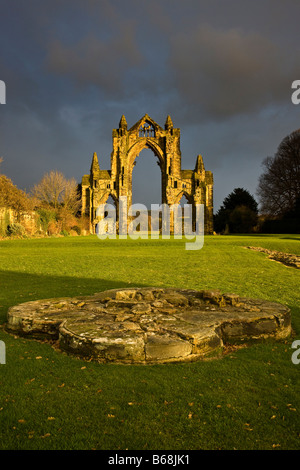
49 400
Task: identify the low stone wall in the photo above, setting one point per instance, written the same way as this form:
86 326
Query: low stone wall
28 220
284 258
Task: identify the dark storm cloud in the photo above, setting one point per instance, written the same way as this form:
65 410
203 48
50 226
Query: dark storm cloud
223 70
224 73
93 61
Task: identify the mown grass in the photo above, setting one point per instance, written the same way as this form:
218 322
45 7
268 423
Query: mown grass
249 399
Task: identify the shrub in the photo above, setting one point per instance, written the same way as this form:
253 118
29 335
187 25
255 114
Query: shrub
45 217
53 228
4 222
76 229
16 230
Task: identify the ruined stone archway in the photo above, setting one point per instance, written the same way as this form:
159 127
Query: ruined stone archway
183 193
157 156
144 143
197 184
146 179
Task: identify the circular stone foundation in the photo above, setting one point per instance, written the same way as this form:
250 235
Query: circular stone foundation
150 325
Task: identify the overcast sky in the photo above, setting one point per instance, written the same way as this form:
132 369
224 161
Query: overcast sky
222 69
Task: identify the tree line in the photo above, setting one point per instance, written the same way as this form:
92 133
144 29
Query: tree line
278 193
57 201
54 202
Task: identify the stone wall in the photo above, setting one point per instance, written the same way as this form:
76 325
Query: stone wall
287 259
27 219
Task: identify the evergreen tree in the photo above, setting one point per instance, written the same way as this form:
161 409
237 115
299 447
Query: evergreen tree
238 213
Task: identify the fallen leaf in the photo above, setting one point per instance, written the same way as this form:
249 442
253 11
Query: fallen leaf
50 418
29 381
21 420
39 357
248 427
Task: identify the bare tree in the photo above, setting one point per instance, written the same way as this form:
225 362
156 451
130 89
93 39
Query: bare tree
56 191
71 198
50 189
279 185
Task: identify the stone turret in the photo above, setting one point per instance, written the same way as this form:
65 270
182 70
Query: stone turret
199 168
123 123
95 168
168 123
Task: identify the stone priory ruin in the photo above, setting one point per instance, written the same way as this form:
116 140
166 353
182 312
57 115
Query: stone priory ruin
196 185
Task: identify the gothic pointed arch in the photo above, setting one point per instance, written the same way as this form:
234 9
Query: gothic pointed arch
196 185
141 144
183 193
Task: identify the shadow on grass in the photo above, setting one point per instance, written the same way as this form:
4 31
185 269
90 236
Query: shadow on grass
290 238
18 287
295 312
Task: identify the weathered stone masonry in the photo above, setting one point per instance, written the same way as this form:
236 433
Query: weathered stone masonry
196 185
150 324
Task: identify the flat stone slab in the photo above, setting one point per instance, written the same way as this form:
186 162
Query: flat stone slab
150 325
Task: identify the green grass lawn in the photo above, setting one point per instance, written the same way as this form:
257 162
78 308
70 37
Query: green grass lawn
249 399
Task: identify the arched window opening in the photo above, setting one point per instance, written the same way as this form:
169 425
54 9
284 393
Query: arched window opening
147 130
183 222
107 217
107 210
146 181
